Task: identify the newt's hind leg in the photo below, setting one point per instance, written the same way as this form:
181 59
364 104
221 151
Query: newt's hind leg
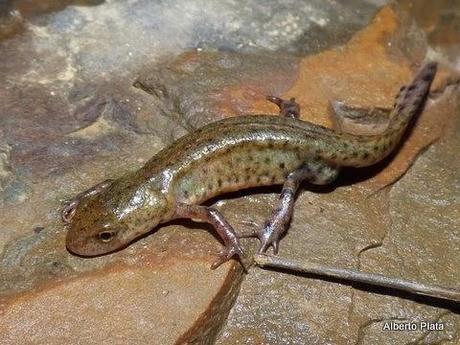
315 172
287 108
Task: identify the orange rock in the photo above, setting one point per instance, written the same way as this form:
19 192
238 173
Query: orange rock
170 299
367 72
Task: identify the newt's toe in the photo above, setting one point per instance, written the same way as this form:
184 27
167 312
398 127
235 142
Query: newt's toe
228 253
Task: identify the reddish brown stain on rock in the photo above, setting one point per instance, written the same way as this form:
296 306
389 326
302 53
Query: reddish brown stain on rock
367 72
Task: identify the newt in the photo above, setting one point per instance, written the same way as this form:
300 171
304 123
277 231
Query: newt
229 155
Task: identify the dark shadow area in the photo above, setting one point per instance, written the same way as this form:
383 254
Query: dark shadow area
187 223
431 301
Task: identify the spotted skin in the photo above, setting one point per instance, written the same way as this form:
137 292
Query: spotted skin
230 155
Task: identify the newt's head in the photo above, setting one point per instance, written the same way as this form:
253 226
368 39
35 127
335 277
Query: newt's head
105 219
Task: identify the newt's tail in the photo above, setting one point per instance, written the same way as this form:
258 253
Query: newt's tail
411 98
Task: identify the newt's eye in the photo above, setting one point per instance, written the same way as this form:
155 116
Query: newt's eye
106 236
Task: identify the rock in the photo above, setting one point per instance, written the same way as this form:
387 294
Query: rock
365 223
159 298
88 98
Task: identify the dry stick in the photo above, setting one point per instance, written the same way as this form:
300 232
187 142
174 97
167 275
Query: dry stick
361 277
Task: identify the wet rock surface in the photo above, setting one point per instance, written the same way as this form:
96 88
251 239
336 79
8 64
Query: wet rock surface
93 89
401 220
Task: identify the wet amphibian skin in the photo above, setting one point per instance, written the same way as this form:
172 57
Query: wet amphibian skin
230 155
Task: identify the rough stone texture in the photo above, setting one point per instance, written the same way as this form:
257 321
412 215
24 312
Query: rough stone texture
391 220
71 118
150 303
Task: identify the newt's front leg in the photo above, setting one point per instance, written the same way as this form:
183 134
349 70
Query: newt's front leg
224 229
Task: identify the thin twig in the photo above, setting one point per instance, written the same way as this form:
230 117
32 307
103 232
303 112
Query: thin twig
361 277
